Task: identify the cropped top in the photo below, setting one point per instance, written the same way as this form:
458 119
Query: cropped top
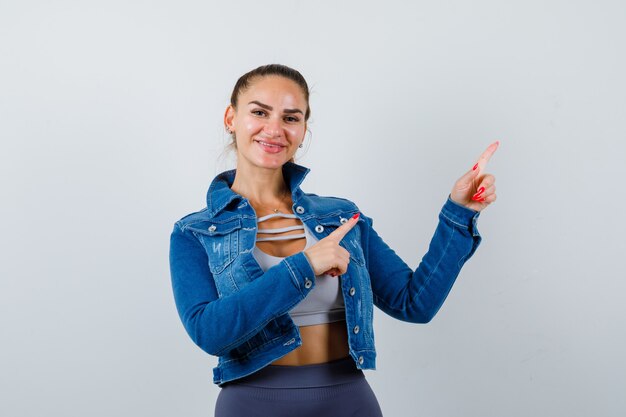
324 303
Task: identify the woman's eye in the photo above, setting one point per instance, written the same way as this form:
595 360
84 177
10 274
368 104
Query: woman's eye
290 119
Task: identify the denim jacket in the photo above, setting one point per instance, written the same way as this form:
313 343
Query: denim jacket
232 309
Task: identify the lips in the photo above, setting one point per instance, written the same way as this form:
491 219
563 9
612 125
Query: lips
269 147
267 143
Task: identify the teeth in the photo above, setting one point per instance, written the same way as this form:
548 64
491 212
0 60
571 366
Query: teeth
268 144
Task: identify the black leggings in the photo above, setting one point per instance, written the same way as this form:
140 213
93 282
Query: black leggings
332 389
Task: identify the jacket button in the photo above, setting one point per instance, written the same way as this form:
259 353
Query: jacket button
212 228
299 209
360 360
352 291
319 228
356 329
343 220
308 283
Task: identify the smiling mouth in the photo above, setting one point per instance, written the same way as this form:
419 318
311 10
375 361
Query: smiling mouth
269 144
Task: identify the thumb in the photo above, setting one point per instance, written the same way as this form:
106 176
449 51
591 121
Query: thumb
469 176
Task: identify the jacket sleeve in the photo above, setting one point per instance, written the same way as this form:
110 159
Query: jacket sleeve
217 324
416 296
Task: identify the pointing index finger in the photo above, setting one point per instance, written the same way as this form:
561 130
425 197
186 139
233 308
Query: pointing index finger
486 155
343 230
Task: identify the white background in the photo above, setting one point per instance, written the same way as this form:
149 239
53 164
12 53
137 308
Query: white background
111 130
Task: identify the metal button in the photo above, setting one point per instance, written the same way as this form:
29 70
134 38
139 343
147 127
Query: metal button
212 228
308 283
352 291
360 360
299 209
343 220
356 329
319 228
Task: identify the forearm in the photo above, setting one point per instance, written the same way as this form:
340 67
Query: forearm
217 324
417 295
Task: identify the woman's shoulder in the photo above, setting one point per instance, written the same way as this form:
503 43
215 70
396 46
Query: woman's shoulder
330 205
193 217
331 199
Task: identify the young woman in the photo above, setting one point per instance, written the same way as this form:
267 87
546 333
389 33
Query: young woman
280 284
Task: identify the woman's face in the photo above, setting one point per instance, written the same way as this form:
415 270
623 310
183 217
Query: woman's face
269 122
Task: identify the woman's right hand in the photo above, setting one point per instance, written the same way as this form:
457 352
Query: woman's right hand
327 256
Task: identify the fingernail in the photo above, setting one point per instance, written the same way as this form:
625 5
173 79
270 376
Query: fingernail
475 166
480 190
356 216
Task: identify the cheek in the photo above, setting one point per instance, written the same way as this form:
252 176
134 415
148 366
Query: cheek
252 125
249 124
296 131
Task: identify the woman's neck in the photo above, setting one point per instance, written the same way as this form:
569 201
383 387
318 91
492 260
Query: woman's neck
263 186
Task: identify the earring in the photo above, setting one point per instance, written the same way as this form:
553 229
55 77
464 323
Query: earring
300 145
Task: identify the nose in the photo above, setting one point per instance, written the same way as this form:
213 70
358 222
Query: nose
273 127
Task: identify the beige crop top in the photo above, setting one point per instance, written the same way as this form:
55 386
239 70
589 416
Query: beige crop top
324 303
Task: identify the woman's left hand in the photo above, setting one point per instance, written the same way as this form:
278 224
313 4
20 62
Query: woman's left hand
476 190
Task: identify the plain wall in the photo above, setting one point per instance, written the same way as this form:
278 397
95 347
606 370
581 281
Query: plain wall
111 130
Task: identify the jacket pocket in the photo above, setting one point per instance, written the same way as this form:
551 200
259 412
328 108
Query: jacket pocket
221 240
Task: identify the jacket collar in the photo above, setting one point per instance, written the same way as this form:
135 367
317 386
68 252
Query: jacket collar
220 195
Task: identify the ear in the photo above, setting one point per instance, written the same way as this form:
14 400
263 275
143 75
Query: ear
229 115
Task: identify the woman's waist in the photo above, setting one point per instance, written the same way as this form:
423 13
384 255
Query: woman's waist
320 343
335 372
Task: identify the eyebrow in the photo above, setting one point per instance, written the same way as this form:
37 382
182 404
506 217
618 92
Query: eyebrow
265 106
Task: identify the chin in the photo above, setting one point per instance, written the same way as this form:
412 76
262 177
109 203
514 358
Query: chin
267 161
275 165
271 163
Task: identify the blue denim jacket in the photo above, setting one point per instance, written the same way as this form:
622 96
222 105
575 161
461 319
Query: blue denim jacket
232 309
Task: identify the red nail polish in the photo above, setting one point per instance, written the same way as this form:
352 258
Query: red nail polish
477 195
356 216
475 166
480 191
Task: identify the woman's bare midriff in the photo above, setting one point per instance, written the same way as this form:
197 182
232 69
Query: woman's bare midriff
321 342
